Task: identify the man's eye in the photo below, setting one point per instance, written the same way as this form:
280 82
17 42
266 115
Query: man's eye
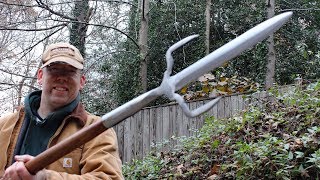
61 71
52 69
72 72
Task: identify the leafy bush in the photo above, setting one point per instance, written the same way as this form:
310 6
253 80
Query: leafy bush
277 139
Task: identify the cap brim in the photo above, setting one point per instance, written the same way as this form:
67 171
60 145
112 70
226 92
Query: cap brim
67 60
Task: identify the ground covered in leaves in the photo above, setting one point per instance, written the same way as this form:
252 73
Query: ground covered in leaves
277 138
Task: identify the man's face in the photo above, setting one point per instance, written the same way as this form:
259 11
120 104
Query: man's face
61 84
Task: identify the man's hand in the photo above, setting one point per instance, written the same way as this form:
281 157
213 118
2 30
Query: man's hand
18 171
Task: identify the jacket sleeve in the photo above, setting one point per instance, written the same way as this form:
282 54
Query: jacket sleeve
100 160
7 127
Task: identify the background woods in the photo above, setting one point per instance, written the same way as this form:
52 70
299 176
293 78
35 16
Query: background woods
124 43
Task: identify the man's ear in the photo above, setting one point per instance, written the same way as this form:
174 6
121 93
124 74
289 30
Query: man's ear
39 76
82 81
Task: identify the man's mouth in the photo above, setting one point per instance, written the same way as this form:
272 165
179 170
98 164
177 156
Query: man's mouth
60 89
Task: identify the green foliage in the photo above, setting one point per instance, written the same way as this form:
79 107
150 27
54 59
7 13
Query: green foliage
126 64
126 85
299 48
144 169
278 139
297 43
169 21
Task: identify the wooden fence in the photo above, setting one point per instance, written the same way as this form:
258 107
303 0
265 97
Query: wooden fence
154 125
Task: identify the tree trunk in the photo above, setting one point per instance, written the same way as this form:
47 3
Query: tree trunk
78 30
143 40
271 56
207 33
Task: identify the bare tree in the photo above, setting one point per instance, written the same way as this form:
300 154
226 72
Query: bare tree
28 26
78 31
208 22
15 64
143 43
271 56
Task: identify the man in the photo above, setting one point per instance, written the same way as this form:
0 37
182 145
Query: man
51 115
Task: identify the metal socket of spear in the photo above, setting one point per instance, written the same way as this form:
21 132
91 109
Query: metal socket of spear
168 87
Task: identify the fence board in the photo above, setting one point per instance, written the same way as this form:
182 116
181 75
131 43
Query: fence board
146 131
159 126
234 105
192 121
173 123
179 120
220 109
199 119
126 142
120 130
186 124
139 138
153 127
241 101
227 106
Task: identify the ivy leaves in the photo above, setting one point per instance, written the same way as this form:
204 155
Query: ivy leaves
275 140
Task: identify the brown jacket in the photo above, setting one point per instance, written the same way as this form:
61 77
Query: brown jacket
97 159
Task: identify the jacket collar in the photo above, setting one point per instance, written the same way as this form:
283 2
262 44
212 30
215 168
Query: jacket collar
79 114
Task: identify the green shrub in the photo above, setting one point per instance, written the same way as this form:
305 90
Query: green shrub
279 139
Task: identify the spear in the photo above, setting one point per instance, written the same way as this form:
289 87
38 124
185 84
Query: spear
168 87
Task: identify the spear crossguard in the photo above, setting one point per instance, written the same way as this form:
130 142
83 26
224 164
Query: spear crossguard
168 87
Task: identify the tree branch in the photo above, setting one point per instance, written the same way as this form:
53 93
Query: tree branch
31 47
45 6
27 50
15 4
38 29
100 25
15 74
116 1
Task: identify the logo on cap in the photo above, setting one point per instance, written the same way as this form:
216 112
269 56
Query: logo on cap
62 50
